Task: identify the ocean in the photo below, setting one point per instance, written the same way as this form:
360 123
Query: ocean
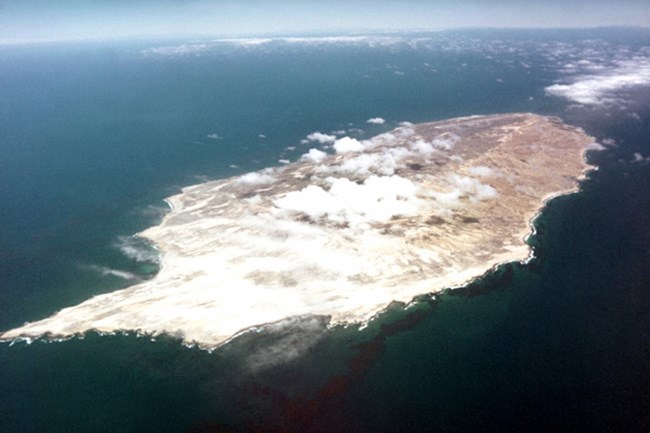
94 136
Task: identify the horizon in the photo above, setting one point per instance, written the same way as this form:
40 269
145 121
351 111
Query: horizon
303 35
33 21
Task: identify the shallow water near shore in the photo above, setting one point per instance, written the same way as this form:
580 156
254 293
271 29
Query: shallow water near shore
92 144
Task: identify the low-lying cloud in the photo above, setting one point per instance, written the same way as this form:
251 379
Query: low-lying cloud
321 138
256 178
377 199
601 88
106 271
461 188
314 155
138 249
347 145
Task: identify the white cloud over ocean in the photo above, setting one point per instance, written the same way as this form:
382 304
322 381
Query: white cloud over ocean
137 249
106 271
602 87
321 138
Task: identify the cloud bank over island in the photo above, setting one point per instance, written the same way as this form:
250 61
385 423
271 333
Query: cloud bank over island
319 137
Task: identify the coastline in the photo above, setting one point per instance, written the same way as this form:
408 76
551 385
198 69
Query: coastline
195 213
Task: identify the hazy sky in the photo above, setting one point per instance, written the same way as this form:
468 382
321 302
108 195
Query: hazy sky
77 19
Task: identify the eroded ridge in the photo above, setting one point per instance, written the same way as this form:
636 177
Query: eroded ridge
342 234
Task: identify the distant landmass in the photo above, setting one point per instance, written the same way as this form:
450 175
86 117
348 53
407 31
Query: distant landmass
342 233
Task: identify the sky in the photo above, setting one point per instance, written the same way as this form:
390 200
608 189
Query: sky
36 20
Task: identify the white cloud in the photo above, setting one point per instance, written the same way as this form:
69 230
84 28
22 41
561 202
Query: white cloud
137 249
328 40
376 120
640 158
394 151
405 130
399 154
422 147
321 138
595 146
446 142
634 116
367 163
385 139
202 47
348 144
104 270
485 192
601 88
447 199
246 41
256 178
475 189
214 136
314 155
311 200
378 198
463 187
355 131
177 50
609 142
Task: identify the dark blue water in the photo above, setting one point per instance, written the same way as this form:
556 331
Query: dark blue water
94 136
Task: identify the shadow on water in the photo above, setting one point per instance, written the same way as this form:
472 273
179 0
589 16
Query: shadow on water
289 397
559 344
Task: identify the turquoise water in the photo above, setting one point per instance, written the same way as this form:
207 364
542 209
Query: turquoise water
94 136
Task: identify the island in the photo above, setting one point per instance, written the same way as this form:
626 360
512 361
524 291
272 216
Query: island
342 232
